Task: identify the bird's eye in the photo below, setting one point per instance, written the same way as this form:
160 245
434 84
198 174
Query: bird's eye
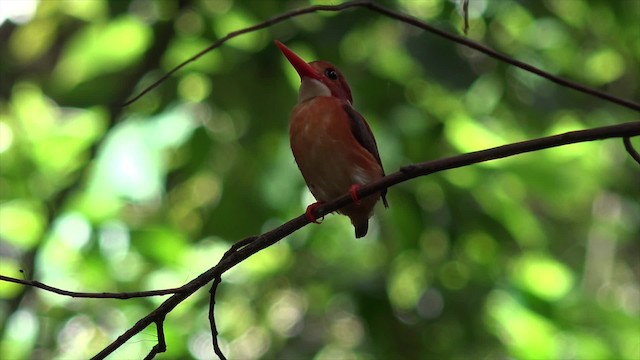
331 74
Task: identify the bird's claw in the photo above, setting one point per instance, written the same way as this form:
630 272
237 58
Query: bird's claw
309 213
353 191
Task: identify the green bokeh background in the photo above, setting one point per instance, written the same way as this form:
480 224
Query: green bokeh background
530 257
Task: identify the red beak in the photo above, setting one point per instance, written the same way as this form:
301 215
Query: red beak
301 66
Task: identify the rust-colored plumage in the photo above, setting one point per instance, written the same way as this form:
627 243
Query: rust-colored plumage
331 142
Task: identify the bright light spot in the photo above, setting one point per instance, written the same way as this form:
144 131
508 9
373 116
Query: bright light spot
251 345
10 267
468 135
200 346
6 137
347 330
114 241
547 34
604 66
571 12
162 279
217 7
527 334
101 48
233 21
21 222
172 128
86 10
466 177
480 247
20 335
629 298
30 42
286 312
22 326
18 11
73 229
393 63
484 95
407 281
513 18
423 9
194 87
268 261
75 335
189 23
128 165
205 189
543 276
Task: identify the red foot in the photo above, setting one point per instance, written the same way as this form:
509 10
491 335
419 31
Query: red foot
309 212
353 191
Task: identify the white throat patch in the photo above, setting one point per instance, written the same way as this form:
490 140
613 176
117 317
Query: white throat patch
310 88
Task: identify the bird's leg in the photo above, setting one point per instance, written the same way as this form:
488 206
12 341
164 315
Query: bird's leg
353 191
309 213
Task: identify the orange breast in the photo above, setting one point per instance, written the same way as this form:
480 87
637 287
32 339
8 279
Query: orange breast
326 151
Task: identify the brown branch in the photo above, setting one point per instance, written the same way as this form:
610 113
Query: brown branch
90 295
161 346
465 12
629 147
252 245
408 20
249 246
212 318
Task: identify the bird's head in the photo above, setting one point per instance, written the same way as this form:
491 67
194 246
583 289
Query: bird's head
318 78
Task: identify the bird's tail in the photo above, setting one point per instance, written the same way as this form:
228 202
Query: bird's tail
361 227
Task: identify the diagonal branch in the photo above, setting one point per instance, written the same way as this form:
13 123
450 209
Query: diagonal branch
252 245
408 20
499 56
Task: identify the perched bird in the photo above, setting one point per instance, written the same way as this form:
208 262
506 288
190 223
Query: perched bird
331 142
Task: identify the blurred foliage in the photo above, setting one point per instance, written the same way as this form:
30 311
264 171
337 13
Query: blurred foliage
530 257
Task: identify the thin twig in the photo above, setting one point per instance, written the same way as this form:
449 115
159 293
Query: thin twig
629 147
249 246
239 244
465 13
161 346
406 173
267 23
212 318
494 54
91 295
408 20
112 295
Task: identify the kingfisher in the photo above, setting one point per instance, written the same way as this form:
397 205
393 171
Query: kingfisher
331 142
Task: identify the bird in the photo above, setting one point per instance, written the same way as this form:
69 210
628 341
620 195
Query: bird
331 142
